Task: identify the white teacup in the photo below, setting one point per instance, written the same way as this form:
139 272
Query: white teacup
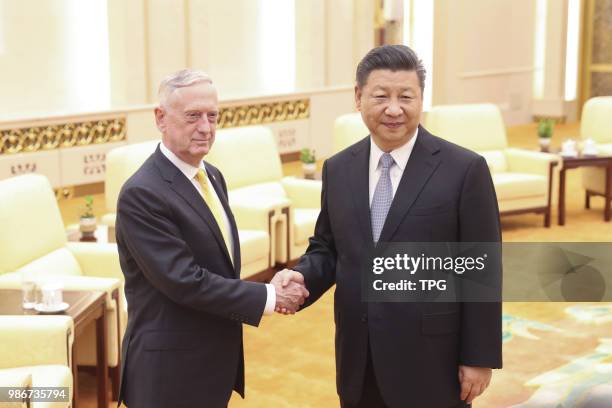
51 295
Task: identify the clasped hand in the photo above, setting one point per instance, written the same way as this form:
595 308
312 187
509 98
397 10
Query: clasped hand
290 291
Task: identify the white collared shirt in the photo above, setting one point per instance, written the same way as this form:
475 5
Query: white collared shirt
190 172
400 157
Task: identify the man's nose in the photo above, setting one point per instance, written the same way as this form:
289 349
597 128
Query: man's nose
393 108
204 125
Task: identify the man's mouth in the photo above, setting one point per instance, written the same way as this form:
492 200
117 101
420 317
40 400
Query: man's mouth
393 125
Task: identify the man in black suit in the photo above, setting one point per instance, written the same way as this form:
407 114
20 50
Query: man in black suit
402 184
180 254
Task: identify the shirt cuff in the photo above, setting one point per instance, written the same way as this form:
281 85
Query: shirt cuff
270 300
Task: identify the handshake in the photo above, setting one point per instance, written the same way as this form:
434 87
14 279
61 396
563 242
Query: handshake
290 291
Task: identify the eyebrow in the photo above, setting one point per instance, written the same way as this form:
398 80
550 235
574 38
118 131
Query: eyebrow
385 88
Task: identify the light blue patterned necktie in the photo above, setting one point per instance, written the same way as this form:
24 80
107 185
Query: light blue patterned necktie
383 196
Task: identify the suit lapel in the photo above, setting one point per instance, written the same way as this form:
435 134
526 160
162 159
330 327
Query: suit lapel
358 174
184 188
225 203
421 165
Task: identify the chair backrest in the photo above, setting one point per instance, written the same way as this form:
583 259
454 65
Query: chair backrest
478 127
30 220
348 129
596 121
246 156
121 163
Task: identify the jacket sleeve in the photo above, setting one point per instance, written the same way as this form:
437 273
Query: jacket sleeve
154 241
318 264
481 331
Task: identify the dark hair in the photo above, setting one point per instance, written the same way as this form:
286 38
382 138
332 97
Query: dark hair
391 57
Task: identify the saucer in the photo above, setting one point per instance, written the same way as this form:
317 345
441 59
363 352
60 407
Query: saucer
41 308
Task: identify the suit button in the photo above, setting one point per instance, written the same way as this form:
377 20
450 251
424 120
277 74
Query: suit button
364 318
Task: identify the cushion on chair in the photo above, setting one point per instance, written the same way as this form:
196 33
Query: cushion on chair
496 160
478 127
304 223
121 163
10 377
31 221
519 185
47 376
594 179
246 155
596 120
254 245
59 262
262 192
348 129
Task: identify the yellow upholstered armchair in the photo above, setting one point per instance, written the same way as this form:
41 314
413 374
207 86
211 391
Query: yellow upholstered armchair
596 124
348 129
259 194
33 242
36 352
123 161
522 178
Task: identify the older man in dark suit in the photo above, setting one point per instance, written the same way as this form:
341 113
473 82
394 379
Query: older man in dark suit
402 184
180 254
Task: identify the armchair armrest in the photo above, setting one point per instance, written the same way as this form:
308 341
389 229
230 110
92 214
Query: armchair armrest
254 212
527 161
303 193
15 378
35 340
100 260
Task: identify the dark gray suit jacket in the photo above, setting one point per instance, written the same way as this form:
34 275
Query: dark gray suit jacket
186 303
445 195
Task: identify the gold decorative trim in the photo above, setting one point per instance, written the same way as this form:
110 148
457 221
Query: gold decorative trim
64 193
257 114
38 138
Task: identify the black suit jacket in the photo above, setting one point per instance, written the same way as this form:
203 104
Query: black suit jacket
446 195
186 303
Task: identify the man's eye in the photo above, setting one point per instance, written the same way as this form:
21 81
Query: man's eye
380 96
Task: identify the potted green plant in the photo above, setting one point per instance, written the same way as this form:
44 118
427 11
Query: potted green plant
309 162
87 222
545 131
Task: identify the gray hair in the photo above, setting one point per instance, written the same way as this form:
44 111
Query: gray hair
180 79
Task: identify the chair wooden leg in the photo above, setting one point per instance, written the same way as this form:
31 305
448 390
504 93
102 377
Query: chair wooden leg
547 218
115 374
587 200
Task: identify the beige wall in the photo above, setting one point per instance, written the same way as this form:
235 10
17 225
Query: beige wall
47 57
483 52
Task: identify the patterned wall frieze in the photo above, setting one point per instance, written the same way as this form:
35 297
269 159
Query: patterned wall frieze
48 137
262 113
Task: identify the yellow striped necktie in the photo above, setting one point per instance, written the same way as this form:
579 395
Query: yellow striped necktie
215 208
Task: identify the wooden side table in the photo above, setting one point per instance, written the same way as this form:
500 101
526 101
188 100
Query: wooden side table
580 161
85 307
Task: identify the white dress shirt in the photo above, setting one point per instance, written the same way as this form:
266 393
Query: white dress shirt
400 157
191 172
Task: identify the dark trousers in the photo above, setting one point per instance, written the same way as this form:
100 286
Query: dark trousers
370 393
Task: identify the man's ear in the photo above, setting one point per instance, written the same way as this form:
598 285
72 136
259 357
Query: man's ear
160 115
358 98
